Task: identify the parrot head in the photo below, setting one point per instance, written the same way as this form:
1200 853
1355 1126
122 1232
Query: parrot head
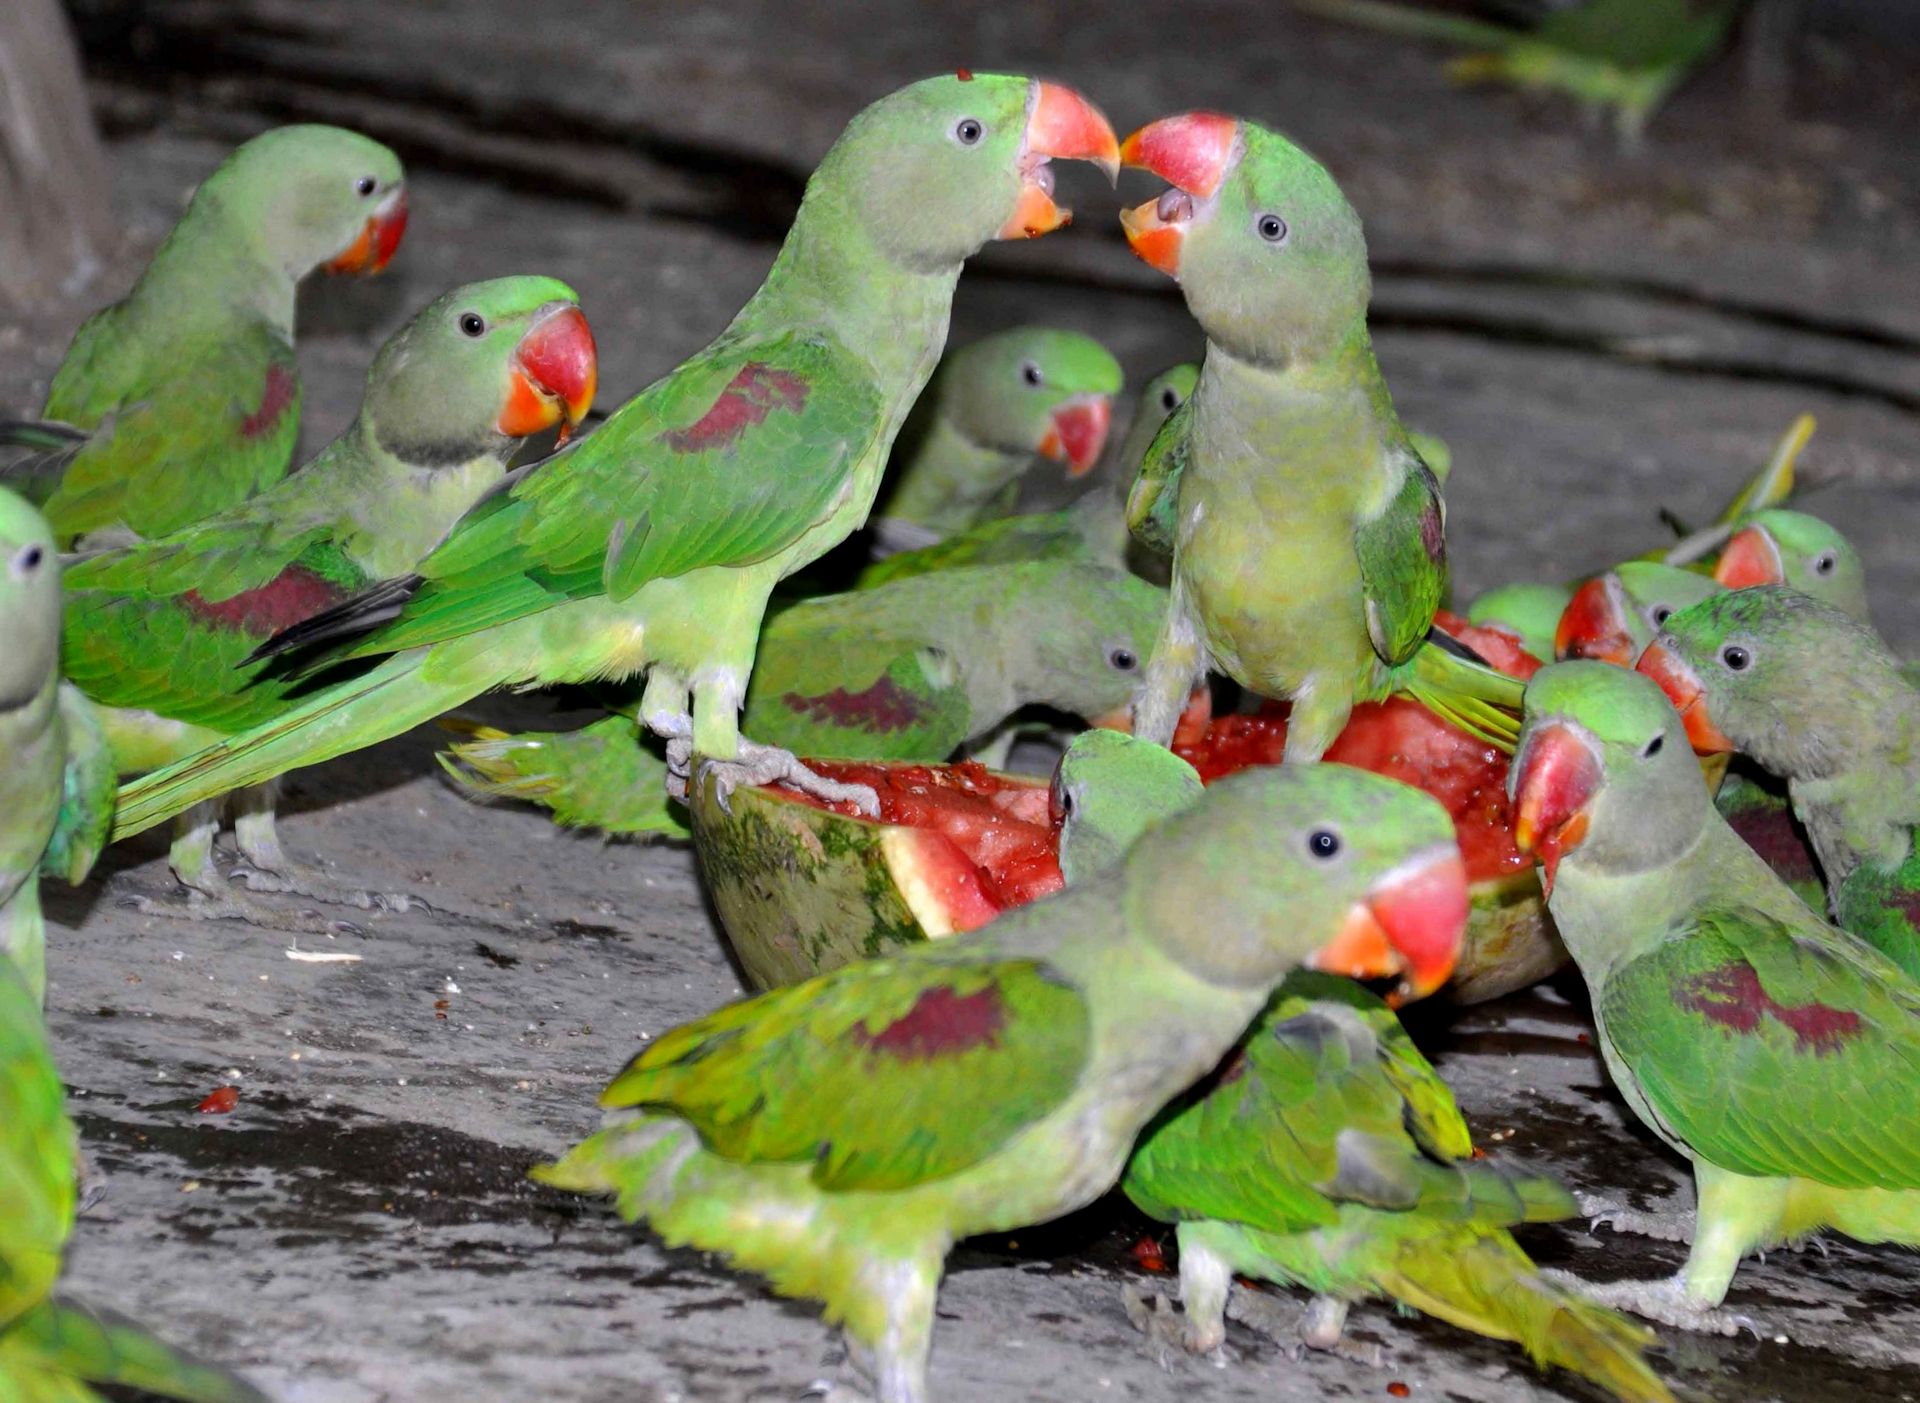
941 167
479 370
1266 249
1792 548
1613 616
1080 638
1322 866
1775 674
1109 789
314 196
1032 389
1529 610
29 603
1602 766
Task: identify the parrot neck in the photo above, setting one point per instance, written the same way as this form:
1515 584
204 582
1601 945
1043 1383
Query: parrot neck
214 259
948 479
1341 385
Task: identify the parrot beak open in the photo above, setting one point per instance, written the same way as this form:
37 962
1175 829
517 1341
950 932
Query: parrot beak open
1595 624
552 375
1060 124
1750 559
378 239
1078 433
1409 924
1555 777
1682 686
1192 153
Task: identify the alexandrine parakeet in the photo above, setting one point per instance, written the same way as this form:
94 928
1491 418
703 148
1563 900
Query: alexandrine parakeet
839 1135
652 545
50 1351
1308 537
1326 1152
159 635
913 670
991 408
183 398
1771 1049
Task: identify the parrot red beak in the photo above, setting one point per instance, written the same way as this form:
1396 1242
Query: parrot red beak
1409 924
1595 624
1683 689
1192 153
1555 777
552 376
1750 559
1079 432
1065 126
378 240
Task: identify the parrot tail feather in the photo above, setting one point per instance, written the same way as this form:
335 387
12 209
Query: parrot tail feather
43 435
1454 683
602 776
78 1343
1411 22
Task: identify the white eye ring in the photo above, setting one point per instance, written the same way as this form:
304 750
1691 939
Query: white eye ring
1270 227
26 560
968 131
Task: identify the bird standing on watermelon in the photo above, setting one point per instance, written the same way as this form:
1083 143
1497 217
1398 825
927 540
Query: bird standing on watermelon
652 546
183 398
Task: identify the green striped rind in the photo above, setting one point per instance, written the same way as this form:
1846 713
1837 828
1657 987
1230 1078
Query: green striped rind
1510 941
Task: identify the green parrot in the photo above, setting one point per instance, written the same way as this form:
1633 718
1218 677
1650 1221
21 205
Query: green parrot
1812 694
50 1351
1308 537
183 398
839 1135
1794 548
913 670
1624 55
159 635
990 409
1528 609
1093 527
653 544
56 784
1768 1047
1327 1152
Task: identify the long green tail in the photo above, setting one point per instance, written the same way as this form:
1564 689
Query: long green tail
601 776
1414 23
65 1343
394 697
1478 699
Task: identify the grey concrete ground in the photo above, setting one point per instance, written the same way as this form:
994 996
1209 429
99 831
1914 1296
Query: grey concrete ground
1596 334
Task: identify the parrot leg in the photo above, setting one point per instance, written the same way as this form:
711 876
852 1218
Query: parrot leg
1662 1227
210 897
897 1361
1666 1300
1206 1277
23 935
1322 1325
265 866
1177 666
1319 715
763 764
666 711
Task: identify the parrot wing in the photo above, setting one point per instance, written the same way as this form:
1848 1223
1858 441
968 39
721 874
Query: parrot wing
36 1154
72 1343
1403 564
884 1075
1154 499
88 787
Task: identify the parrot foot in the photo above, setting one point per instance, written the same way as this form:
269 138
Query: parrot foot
90 1185
1171 1333
827 1391
679 766
1321 1326
296 879
1661 1227
763 764
201 907
1664 1300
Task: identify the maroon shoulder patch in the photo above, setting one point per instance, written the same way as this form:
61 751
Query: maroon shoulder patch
1433 535
293 596
276 398
884 707
1731 997
749 398
1772 833
940 1024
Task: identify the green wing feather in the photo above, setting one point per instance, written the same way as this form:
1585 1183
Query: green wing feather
36 1155
1154 500
65 1343
1055 535
88 786
1403 564
968 1054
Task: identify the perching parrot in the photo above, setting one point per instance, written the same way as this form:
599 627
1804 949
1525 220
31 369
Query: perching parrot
1813 695
159 634
1326 1152
1308 537
183 398
653 544
1768 1047
990 409
49 1350
838 1136
913 670
56 778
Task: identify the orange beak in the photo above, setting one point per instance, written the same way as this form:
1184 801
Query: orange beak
1192 153
1750 559
552 376
1596 624
378 240
1682 686
1078 433
1061 125
1554 778
1410 924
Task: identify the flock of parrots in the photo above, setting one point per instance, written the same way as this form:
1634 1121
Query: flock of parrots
1178 1020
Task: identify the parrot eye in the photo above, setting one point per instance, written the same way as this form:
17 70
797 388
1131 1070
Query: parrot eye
1062 803
473 324
1122 659
1030 373
1169 399
1824 562
1270 227
1661 613
26 561
366 185
968 131
1735 657
1653 747
1323 844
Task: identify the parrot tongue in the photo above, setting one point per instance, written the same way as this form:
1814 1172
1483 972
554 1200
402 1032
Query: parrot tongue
1078 433
555 371
1191 152
1060 124
1555 777
1750 559
1682 686
1409 924
373 248
1595 624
